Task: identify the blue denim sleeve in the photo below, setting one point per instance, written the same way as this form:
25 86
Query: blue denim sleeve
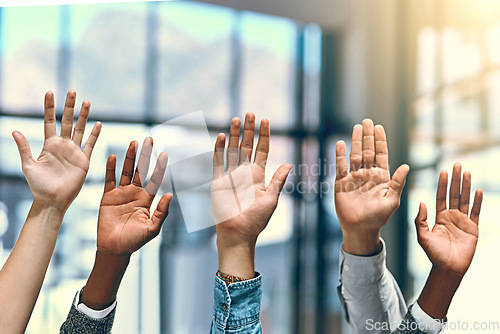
237 307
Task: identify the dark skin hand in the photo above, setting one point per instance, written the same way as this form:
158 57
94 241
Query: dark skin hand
125 223
451 243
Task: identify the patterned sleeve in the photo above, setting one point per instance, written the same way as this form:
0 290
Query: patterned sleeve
78 322
409 326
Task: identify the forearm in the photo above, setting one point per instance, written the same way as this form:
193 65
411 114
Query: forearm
22 276
104 280
438 292
237 260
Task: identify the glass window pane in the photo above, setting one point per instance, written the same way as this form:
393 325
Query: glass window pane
426 60
461 120
493 44
268 68
108 53
32 129
493 98
422 189
194 55
466 45
423 148
312 75
29 56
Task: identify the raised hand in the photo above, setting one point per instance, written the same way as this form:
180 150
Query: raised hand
241 203
451 243
125 223
366 197
55 179
58 174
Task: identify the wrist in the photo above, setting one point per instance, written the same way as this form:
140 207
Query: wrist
52 215
237 260
438 291
362 242
52 203
445 273
113 260
104 280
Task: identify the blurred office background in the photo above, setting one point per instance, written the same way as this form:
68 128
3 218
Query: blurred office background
428 70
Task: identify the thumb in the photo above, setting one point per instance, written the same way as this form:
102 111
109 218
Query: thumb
421 222
398 181
160 214
23 147
278 180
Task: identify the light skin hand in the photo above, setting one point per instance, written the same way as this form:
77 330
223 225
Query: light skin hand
55 178
125 223
366 197
237 235
58 174
451 243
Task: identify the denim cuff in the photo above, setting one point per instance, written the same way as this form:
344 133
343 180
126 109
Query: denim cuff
237 304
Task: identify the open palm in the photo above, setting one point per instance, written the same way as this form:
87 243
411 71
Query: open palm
452 241
241 204
58 174
125 223
366 197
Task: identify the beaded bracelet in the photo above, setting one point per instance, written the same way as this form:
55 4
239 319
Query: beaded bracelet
228 279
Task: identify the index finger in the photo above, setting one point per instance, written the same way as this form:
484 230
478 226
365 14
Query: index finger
80 124
262 149
158 173
110 179
476 207
141 170
465 194
218 162
381 151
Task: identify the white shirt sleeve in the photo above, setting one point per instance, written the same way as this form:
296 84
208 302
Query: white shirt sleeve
372 300
425 321
96 314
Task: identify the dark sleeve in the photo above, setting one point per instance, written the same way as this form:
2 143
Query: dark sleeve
78 322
